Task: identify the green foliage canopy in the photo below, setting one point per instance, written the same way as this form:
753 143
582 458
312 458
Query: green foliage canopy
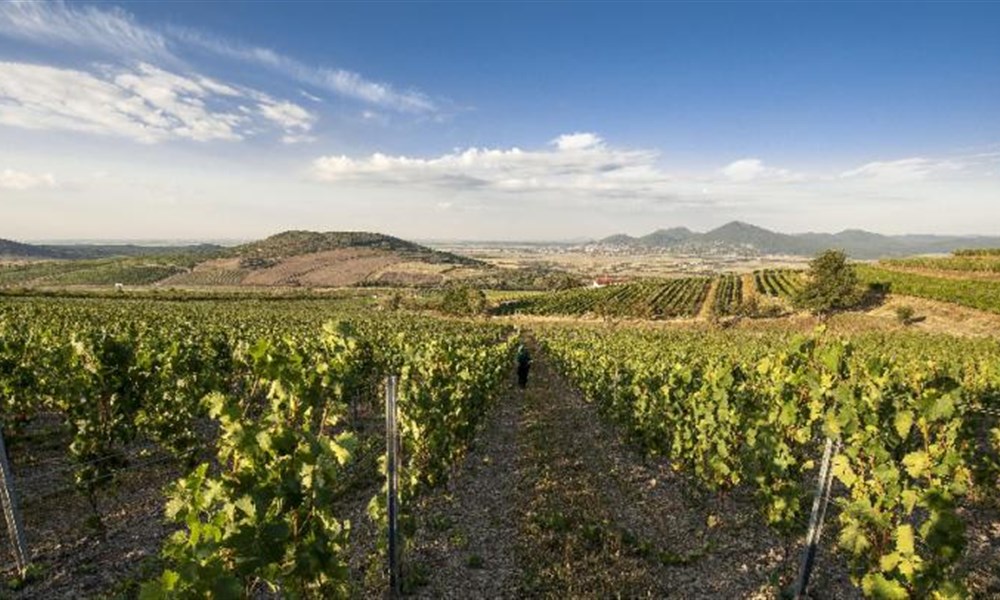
832 284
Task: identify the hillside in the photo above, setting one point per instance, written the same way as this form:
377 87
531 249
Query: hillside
10 249
288 259
744 238
296 243
667 236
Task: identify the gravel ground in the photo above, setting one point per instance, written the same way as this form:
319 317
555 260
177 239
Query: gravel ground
551 503
72 559
467 533
605 521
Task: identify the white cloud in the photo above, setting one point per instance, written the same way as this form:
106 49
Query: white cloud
297 138
907 169
580 171
117 34
17 180
309 96
339 81
579 166
291 117
109 30
578 141
143 103
753 169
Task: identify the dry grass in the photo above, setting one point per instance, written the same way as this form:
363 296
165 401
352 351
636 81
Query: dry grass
934 317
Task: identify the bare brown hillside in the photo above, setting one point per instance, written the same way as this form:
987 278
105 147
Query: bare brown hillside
342 267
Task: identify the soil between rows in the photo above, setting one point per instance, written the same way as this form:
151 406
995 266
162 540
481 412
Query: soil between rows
553 503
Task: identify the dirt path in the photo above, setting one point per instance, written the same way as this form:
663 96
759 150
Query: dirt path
554 504
748 286
466 536
708 306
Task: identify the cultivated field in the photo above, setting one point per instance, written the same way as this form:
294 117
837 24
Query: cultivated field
669 441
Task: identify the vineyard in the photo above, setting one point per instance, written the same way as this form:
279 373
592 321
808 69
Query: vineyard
728 295
778 283
262 420
125 386
912 415
659 299
647 299
977 252
962 264
983 295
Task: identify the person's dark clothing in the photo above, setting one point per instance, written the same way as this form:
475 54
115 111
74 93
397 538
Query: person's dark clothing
523 366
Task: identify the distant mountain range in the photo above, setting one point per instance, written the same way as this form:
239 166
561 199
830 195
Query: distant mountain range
744 238
732 238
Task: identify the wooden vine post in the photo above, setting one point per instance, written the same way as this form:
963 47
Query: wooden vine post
820 502
392 482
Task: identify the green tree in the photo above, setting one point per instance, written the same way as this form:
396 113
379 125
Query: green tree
463 300
832 285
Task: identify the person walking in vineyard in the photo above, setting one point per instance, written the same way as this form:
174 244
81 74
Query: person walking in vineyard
523 366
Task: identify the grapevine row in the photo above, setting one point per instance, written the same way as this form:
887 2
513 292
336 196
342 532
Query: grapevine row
755 413
293 401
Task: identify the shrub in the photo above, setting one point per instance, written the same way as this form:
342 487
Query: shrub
904 314
832 285
463 300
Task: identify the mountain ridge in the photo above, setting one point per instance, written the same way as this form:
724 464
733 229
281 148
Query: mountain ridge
742 237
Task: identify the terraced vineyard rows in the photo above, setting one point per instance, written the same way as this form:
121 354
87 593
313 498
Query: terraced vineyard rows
977 252
268 412
208 277
975 263
778 283
120 376
648 299
984 295
748 411
728 294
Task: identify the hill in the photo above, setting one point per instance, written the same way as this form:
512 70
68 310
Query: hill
291 258
297 243
743 238
17 250
330 259
10 249
667 236
762 240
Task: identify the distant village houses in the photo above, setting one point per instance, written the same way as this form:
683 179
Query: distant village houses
606 280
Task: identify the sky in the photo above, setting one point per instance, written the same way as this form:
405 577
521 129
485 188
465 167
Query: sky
496 121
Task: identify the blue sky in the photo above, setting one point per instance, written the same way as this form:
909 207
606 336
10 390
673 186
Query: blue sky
496 120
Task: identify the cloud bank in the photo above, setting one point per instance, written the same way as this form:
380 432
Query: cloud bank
582 170
578 161
17 180
109 30
114 32
142 103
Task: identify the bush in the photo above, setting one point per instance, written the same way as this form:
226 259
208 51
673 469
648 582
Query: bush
832 285
755 307
463 300
904 314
